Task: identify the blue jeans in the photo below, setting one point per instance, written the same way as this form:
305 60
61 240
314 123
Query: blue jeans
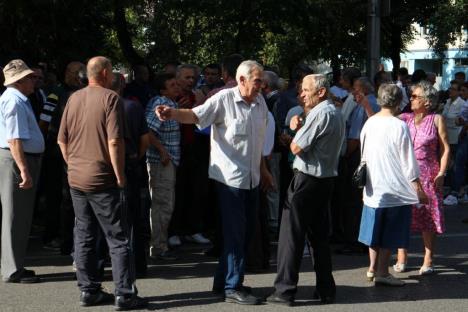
237 209
460 164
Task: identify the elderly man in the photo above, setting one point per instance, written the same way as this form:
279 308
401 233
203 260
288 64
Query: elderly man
317 147
91 138
21 147
238 118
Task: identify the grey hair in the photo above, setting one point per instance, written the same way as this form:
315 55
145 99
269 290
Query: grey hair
428 92
320 81
390 95
245 69
271 79
186 66
366 84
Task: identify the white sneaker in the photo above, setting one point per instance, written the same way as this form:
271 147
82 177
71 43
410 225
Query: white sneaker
174 241
450 200
197 238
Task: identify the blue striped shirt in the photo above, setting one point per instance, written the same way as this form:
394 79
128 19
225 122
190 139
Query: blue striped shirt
168 132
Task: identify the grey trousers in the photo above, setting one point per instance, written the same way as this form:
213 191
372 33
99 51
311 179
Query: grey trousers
17 211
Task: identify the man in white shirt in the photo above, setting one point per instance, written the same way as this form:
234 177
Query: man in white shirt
238 119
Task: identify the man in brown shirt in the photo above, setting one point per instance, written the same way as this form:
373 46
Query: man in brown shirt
91 138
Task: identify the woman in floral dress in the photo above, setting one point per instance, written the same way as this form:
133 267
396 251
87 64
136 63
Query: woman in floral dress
430 142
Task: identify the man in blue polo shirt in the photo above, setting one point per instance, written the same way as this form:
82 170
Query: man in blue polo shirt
21 146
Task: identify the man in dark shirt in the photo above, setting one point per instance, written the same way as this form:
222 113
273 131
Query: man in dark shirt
136 143
91 138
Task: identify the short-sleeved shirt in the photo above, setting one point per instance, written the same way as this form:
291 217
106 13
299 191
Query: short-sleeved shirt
237 137
168 132
92 117
320 139
17 121
136 126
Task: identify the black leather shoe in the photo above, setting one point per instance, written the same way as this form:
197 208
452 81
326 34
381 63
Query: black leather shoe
327 299
24 276
280 299
241 297
88 299
130 303
220 291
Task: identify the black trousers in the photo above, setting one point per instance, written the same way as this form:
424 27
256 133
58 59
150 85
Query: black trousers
305 214
104 209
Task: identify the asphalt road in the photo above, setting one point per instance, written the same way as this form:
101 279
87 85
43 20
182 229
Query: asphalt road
185 284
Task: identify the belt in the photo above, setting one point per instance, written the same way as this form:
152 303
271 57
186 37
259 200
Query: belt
25 153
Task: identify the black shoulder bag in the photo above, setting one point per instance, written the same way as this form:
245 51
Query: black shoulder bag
360 175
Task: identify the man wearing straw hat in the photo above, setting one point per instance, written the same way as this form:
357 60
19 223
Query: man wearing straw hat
21 147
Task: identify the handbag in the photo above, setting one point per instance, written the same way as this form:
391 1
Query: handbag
359 178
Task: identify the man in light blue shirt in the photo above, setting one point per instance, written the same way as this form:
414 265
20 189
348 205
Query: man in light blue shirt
21 146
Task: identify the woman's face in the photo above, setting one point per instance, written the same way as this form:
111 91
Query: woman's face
418 102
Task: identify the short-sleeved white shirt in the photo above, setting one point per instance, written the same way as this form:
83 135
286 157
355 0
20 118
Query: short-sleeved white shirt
391 163
237 137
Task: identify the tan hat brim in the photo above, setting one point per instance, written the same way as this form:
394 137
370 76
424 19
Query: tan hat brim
11 80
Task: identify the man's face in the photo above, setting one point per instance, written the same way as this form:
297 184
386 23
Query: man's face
358 88
38 78
252 86
172 90
72 78
464 93
460 77
310 95
186 80
212 75
26 84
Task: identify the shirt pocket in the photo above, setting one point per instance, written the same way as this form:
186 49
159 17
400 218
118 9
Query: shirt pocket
236 131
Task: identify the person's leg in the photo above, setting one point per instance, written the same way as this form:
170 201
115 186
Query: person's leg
318 233
429 246
383 260
402 259
162 183
17 212
85 243
373 253
110 210
291 239
273 196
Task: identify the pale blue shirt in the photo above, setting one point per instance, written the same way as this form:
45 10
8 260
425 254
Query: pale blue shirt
237 137
17 121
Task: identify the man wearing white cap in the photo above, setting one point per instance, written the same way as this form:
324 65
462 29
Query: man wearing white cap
21 147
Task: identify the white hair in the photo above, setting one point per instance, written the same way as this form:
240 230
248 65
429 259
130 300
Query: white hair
245 69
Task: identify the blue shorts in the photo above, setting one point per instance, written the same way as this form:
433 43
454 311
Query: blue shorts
387 228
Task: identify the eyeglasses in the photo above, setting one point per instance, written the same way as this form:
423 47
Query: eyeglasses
414 97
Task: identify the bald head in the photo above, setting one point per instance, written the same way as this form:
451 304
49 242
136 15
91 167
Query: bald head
99 71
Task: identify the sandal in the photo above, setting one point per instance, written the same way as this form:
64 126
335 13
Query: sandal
399 267
426 270
370 276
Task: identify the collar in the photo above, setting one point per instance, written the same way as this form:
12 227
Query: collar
17 92
271 94
239 99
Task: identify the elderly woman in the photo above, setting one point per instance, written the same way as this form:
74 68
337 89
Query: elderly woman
392 185
430 142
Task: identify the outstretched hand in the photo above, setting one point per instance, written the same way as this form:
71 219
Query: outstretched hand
164 112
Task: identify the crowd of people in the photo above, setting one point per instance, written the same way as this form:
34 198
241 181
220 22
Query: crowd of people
232 157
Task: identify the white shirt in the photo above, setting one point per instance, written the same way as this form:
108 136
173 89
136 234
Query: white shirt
348 106
237 137
269 136
452 110
391 163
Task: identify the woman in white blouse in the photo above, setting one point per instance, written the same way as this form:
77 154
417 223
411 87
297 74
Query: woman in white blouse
392 185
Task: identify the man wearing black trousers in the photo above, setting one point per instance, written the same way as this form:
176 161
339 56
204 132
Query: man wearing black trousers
306 210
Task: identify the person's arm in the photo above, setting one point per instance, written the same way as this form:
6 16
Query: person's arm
117 156
183 115
351 146
156 143
143 145
444 152
362 100
267 182
64 150
423 199
16 149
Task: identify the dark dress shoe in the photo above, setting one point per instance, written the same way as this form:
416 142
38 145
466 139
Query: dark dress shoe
24 276
220 291
241 297
88 299
325 299
130 303
275 298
